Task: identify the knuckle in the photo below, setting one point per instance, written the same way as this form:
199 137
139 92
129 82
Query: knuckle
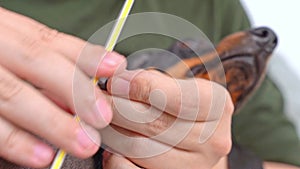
11 139
9 87
47 34
31 47
140 87
34 45
159 125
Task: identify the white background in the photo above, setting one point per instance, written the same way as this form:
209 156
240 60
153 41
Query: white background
284 18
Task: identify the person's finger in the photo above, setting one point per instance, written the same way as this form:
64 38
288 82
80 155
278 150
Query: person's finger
177 159
193 99
52 72
31 152
158 125
114 161
152 154
92 59
95 61
21 104
149 153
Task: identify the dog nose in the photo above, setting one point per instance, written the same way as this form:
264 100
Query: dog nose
265 37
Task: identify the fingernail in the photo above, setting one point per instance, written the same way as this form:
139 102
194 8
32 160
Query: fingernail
112 59
88 137
43 153
104 111
120 87
120 84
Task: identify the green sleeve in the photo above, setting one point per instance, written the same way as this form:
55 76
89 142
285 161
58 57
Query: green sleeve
263 127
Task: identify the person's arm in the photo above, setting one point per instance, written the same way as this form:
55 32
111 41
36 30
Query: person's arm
37 88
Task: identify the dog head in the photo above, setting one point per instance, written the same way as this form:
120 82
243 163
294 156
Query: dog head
239 62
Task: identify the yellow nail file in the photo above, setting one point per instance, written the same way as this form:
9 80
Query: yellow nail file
109 46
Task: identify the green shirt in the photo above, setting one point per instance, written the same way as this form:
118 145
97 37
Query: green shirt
261 125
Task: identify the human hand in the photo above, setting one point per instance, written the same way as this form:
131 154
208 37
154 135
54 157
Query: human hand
38 87
182 123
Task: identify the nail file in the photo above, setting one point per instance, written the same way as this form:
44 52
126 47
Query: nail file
109 46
